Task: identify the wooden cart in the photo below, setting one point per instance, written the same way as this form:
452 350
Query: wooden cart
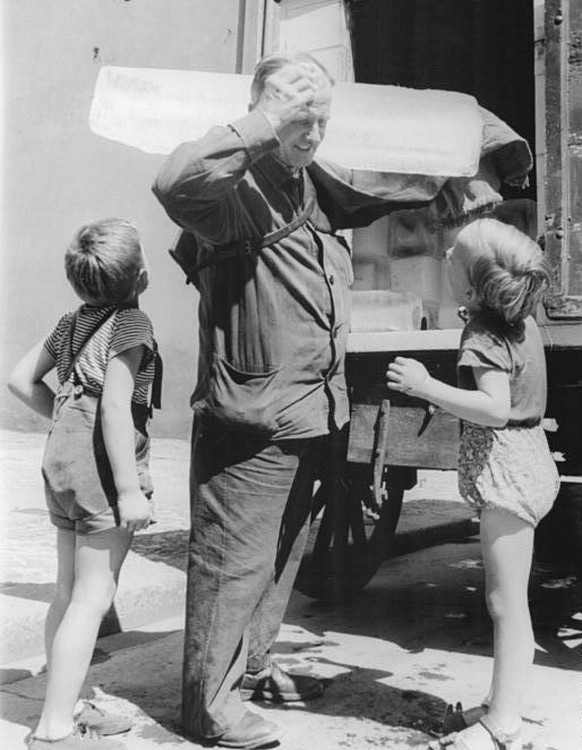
391 435
358 503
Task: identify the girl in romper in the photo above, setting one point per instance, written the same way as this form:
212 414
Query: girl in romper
506 471
95 466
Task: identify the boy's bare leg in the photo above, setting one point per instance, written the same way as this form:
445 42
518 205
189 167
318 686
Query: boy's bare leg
66 540
98 559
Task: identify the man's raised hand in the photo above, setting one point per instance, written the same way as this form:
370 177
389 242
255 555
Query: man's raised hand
287 94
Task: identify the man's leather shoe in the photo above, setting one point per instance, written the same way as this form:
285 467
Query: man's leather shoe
251 732
276 686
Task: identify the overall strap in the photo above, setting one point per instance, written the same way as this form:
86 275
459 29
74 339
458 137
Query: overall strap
75 356
240 247
156 395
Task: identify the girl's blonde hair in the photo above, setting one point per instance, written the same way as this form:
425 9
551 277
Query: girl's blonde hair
103 261
510 274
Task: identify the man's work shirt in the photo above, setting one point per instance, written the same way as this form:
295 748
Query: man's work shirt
273 324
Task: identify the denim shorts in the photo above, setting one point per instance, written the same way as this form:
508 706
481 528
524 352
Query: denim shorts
79 487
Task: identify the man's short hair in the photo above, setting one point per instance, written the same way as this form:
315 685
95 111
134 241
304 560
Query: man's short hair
272 63
103 261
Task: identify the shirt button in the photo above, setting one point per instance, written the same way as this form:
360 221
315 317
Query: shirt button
332 279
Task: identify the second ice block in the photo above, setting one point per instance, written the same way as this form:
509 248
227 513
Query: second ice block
375 310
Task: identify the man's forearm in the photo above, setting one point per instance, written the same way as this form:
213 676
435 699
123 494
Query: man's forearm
198 174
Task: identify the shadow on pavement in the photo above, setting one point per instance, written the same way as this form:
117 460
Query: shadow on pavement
11 709
432 598
356 693
13 675
169 547
359 693
37 592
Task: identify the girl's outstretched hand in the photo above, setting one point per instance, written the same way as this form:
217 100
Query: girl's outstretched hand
408 376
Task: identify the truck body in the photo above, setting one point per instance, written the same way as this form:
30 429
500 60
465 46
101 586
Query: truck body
523 61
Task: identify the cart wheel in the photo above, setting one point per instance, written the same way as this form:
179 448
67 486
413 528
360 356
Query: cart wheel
351 536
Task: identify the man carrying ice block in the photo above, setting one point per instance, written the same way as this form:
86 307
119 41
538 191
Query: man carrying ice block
260 217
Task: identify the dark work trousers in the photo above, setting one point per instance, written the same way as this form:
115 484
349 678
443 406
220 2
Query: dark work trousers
250 509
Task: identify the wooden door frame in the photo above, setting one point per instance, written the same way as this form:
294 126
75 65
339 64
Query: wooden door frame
562 25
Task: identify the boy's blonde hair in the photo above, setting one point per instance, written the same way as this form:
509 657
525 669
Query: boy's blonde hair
103 261
510 274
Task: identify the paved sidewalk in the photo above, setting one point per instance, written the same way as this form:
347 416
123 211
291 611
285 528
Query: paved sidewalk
149 589
152 583
416 639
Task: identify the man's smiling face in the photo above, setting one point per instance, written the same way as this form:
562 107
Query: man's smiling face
300 138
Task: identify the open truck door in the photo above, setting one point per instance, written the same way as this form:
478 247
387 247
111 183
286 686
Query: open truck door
523 62
559 156
559 68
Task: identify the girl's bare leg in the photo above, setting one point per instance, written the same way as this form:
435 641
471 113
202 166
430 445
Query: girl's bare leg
507 544
98 560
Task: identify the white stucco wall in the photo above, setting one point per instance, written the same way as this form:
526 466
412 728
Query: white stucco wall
58 175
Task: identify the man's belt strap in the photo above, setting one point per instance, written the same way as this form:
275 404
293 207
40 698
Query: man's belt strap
235 249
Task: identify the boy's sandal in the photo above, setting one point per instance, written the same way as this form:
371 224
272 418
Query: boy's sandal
448 741
99 720
456 719
500 740
80 739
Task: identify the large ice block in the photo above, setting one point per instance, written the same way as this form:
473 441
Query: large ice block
375 310
377 128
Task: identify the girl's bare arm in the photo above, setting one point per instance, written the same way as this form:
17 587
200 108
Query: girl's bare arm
489 405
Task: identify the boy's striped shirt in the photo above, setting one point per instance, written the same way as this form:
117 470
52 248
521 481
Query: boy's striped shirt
126 328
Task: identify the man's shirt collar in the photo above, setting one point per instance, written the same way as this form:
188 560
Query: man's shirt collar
278 172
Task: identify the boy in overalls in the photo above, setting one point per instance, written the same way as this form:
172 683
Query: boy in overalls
95 465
